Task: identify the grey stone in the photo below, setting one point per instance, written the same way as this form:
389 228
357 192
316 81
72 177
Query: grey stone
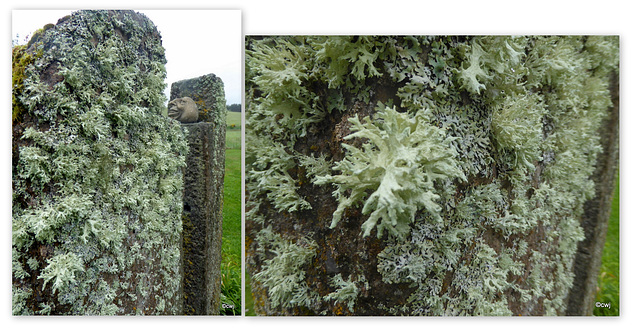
595 220
203 197
114 245
207 92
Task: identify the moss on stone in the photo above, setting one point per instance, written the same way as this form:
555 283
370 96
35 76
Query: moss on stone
20 59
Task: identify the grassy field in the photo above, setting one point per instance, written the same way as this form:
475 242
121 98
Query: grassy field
609 278
234 119
232 224
234 133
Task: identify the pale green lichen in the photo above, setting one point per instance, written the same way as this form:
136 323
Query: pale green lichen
347 59
283 274
522 142
494 61
282 68
280 71
400 161
98 170
19 297
286 108
517 117
316 167
268 174
346 292
62 269
470 75
516 127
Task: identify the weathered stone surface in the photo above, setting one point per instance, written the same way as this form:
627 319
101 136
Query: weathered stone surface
203 198
595 220
208 93
97 171
501 241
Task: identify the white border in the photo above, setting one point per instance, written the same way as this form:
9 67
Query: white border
386 17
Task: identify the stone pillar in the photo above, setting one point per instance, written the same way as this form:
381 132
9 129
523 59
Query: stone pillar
203 195
208 93
97 171
595 220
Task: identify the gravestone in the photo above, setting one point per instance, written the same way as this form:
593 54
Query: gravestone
97 171
203 193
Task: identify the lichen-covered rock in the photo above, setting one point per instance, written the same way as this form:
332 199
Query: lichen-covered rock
203 198
202 218
471 157
97 171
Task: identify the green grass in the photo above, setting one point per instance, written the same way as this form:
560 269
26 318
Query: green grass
234 133
231 269
233 139
234 119
248 297
609 279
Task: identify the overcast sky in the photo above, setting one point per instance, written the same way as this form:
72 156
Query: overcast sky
196 42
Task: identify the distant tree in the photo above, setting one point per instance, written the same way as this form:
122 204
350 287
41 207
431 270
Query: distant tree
234 107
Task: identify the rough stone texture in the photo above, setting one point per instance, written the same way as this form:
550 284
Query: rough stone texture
203 197
581 299
208 93
507 237
97 171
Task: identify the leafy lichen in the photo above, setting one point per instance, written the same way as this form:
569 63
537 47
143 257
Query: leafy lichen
516 127
97 180
62 270
470 75
283 274
346 292
400 161
477 165
269 174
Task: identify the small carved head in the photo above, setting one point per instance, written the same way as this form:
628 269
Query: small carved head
183 110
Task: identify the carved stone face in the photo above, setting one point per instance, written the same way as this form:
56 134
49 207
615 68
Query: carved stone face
183 110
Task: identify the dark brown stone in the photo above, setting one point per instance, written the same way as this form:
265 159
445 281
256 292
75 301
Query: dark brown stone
203 197
202 219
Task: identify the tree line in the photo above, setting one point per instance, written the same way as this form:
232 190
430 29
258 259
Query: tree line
236 107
